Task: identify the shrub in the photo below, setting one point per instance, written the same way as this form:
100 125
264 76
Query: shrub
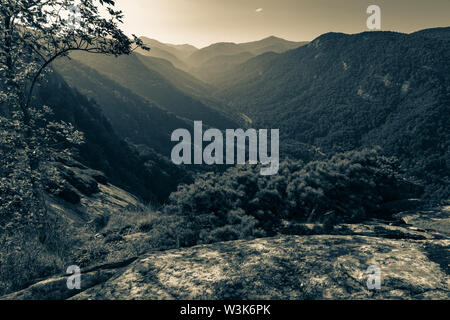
30 253
352 184
240 203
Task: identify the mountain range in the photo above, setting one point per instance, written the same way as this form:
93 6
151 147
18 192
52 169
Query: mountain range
146 97
364 133
339 92
142 172
342 92
209 62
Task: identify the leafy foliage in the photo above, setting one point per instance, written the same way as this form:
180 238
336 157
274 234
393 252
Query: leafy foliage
241 203
33 34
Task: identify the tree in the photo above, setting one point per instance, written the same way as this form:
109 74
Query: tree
33 34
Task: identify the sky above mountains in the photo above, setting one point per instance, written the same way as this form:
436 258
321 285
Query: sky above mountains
202 22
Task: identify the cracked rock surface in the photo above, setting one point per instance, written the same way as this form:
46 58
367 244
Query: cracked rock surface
286 267
412 254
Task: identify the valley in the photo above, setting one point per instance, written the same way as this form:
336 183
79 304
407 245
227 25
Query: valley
356 172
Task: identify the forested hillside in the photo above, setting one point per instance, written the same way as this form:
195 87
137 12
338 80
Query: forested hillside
442 33
343 92
176 54
210 63
132 72
132 116
148 176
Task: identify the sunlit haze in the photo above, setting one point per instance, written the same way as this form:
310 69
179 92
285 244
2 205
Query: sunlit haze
202 22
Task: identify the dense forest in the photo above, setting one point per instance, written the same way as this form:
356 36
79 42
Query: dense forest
240 203
343 92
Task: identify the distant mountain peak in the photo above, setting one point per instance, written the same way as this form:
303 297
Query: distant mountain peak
273 38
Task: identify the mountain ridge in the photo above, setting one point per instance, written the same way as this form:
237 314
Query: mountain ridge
342 92
133 73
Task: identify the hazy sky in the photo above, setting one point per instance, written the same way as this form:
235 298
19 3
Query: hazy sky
202 22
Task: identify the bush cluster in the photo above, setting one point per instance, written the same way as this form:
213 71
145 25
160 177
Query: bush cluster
241 204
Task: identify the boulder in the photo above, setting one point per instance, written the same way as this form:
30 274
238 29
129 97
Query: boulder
80 179
68 193
433 220
97 175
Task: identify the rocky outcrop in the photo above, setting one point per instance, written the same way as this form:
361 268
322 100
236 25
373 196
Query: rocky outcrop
96 209
437 220
74 181
412 254
286 267
56 288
